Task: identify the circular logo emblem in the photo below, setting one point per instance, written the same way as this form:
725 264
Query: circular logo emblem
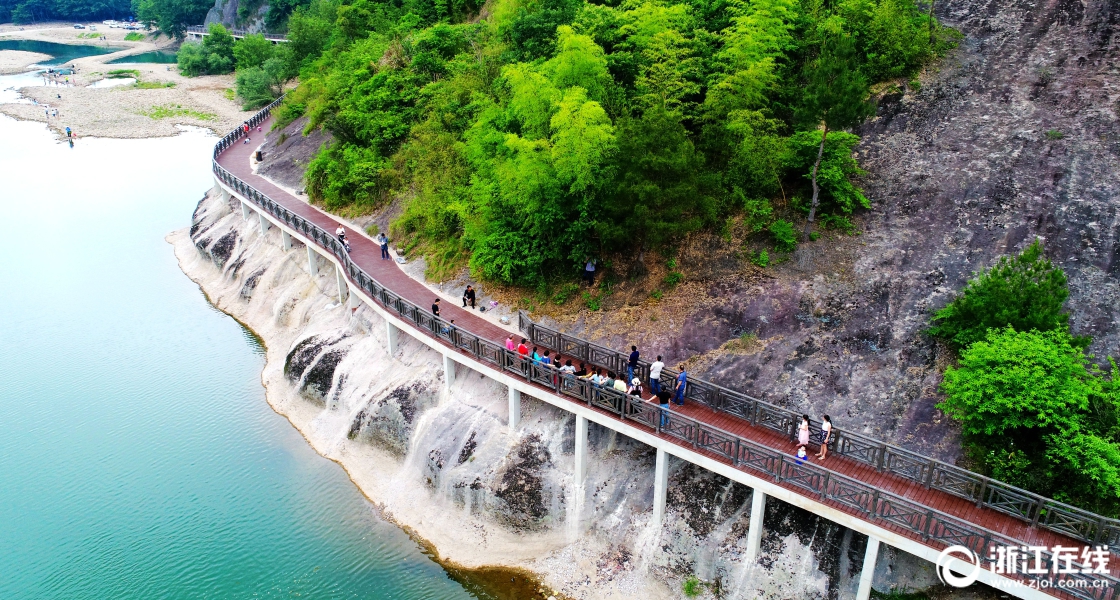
958 555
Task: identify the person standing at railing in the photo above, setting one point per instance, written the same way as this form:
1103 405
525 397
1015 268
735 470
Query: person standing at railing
632 365
522 348
435 307
803 431
682 384
655 376
663 404
826 436
509 344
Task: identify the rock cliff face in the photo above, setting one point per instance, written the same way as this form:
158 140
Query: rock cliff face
1012 137
444 463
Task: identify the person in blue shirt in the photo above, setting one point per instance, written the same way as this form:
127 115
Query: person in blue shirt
682 383
633 364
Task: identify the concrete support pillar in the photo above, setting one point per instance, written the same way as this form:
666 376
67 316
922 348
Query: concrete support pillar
312 262
246 212
514 407
754 530
354 300
581 449
660 486
448 371
870 556
342 287
264 223
391 333
286 240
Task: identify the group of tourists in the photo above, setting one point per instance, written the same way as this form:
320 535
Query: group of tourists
823 438
381 241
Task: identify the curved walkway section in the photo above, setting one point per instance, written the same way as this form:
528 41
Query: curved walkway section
889 493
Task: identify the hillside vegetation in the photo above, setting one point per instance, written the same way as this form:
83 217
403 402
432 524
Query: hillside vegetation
526 137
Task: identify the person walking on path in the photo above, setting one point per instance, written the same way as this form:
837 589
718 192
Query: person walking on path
384 243
468 296
589 272
522 348
803 431
826 436
655 376
435 307
682 384
633 364
341 233
509 344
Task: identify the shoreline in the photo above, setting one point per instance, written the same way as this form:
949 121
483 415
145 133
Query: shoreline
166 100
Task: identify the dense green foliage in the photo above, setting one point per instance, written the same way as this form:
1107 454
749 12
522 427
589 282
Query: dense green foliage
172 16
262 67
212 56
552 131
30 11
1025 292
1040 416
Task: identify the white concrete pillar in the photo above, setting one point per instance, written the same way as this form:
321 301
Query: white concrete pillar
660 486
246 212
448 371
867 575
391 333
312 262
514 407
286 240
341 279
264 223
754 529
354 300
581 449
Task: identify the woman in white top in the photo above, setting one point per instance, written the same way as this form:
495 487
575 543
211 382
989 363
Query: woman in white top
341 233
826 436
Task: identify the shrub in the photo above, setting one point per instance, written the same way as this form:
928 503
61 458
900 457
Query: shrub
785 238
1054 134
1039 415
762 260
566 290
692 587
673 278
1025 292
134 36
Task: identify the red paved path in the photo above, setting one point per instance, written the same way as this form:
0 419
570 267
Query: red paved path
367 254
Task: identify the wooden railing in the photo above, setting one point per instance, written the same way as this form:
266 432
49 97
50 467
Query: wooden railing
930 525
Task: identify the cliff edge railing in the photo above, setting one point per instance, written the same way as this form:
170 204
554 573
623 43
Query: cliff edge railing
869 498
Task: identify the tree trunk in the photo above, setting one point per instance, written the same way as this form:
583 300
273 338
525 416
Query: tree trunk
816 188
931 3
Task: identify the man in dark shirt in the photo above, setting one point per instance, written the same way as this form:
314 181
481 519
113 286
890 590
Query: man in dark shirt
435 307
468 296
633 364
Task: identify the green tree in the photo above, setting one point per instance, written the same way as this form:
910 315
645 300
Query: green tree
1025 292
251 51
192 62
172 16
583 143
836 95
832 160
218 48
257 86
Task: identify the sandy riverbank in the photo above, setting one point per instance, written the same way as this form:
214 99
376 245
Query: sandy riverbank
125 111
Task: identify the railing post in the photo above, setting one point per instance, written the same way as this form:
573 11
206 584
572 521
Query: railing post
1038 506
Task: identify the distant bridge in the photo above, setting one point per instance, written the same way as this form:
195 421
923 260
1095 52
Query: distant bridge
197 32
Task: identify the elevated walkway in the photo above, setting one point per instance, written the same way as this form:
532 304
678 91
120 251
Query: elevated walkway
895 497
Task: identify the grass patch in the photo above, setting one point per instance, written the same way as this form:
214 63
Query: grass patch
372 229
903 594
566 291
170 111
134 36
1054 134
89 36
229 93
122 73
153 85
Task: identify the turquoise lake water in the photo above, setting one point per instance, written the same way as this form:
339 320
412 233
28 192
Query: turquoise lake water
60 53
155 56
138 457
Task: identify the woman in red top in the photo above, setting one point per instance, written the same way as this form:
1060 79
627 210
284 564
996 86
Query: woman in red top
522 349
